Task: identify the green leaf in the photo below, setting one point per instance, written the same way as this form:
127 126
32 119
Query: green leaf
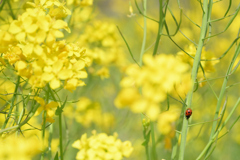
56 156
58 111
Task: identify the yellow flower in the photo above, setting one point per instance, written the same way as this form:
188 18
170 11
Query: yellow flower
50 109
56 8
88 112
208 66
166 120
104 46
101 146
14 147
14 54
126 97
159 76
103 72
80 2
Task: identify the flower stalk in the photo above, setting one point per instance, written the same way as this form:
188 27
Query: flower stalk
196 64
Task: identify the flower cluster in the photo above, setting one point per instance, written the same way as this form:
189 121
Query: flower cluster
208 66
88 112
166 124
19 148
31 44
102 147
80 2
159 76
105 47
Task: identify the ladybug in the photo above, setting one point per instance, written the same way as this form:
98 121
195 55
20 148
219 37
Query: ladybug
188 113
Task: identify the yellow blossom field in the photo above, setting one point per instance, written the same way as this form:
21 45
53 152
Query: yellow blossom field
119 79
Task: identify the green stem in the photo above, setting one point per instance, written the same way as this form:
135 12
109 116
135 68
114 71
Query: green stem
50 141
44 123
144 31
29 116
43 134
160 27
59 113
12 103
222 92
146 138
194 76
60 135
154 153
206 149
11 11
176 138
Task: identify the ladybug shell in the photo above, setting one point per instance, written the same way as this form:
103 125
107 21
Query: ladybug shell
188 113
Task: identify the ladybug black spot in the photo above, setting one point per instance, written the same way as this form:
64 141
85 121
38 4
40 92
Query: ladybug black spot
188 113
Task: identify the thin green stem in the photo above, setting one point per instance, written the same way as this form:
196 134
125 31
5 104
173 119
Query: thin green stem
145 134
154 153
11 11
160 27
178 127
223 90
12 103
205 150
144 31
29 116
60 135
44 123
59 113
129 49
194 75
50 141
43 134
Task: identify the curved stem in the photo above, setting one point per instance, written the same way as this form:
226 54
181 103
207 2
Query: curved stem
222 92
160 27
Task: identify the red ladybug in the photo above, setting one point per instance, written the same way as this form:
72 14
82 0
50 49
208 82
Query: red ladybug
188 113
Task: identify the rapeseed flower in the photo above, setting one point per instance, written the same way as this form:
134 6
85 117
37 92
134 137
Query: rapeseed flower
56 8
101 147
37 54
87 112
208 66
50 109
104 47
81 3
19 148
159 76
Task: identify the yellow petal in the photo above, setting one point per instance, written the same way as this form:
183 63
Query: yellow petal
21 65
77 144
40 100
15 27
82 74
40 36
50 39
39 110
47 76
52 105
58 34
57 66
38 50
55 83
21 36
65 74
50 113
79 65
60 24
